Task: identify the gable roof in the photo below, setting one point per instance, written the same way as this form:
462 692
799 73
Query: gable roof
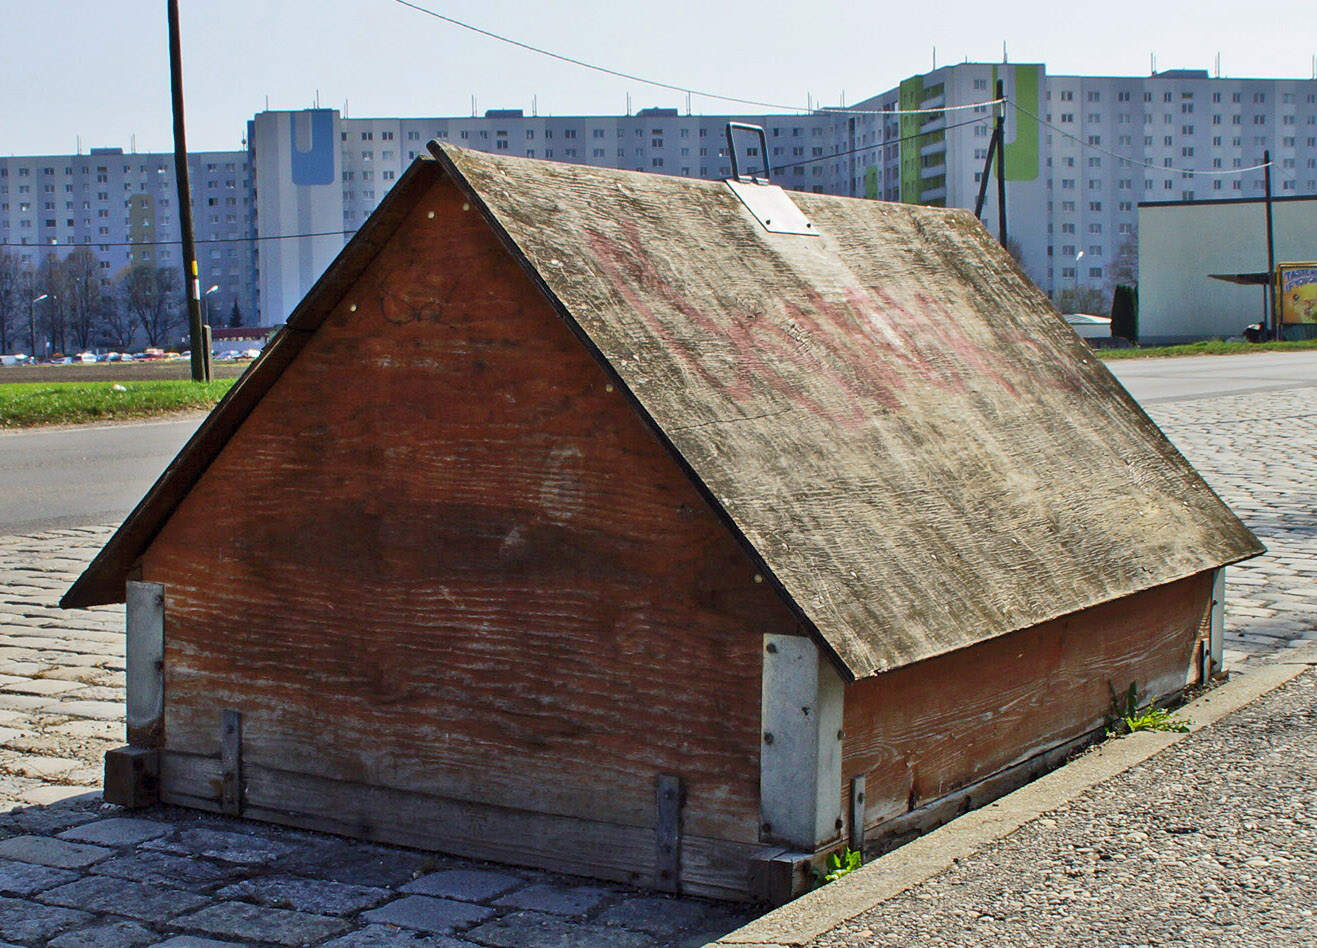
890 416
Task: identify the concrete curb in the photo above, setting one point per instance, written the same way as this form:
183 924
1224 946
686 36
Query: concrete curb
799 922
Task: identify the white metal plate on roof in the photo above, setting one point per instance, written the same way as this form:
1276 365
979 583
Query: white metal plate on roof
773 208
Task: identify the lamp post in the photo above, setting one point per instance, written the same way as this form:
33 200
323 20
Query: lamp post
206 302
1075 302
32 323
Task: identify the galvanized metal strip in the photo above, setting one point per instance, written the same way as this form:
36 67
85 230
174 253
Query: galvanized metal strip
667 861
144 647
1217 626
231 763
857 814
800 754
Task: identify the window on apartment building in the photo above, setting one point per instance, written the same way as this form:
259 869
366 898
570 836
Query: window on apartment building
1122 96
1093 118
1067 118
1095 139
599 132
1067 95
367 136
1095 206
386 136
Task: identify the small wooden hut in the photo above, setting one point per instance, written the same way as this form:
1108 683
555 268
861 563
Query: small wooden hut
669 531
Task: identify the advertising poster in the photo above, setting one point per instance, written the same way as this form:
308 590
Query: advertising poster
1297 283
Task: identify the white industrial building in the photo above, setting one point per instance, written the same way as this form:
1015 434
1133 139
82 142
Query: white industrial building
1183 244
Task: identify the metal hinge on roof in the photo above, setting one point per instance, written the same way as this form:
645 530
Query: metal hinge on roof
767 202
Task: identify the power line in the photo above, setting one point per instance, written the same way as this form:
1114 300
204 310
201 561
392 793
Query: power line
890 141
667 85
174 243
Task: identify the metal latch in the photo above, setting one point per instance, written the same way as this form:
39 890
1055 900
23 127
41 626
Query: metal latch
767 202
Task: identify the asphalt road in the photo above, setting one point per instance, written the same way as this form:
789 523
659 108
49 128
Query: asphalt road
1169 380
64 477
52 478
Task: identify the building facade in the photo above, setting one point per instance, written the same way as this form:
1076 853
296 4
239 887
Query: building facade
1081 153
122 207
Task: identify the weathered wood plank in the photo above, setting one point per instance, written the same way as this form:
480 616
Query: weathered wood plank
473 572
921 451
580 846
919 733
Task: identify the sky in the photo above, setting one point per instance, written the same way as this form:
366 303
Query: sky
78 72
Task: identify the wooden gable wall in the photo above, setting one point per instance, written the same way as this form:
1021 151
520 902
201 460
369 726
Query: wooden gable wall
450 560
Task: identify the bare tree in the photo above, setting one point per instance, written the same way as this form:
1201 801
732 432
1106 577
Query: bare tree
115 323
1124 269
150 295
1084 299
12 311
52 314
78 284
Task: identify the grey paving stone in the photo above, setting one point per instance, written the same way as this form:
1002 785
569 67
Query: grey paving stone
117 831
537 930
247 922
386 936
52 852
243 848
192 941
556 899
123 897
24 878
109 934
428 914
21 920
47 821
168 869
51 794
657 916
354 863
307 895
467 885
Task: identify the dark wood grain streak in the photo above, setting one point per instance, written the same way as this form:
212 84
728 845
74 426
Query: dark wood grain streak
921 732
582 846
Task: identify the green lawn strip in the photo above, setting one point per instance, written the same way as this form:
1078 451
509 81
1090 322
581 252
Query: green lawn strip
1210 347
32 404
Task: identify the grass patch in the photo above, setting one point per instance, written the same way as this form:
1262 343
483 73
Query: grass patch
1207 347
33 404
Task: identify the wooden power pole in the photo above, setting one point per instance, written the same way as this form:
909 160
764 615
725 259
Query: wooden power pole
191 279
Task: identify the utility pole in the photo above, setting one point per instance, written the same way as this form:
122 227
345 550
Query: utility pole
191 280
1000 133
1272 312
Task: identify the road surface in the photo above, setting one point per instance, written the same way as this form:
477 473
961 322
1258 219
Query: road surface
51 478
66 477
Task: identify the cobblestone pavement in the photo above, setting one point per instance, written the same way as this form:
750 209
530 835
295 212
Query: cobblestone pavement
77 873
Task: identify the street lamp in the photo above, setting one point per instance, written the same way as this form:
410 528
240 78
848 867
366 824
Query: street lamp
32 323
206 303
1075 302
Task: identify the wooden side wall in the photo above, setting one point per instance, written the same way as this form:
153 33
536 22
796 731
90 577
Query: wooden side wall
929 729
443 557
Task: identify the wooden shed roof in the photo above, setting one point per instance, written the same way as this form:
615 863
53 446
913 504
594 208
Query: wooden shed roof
903 432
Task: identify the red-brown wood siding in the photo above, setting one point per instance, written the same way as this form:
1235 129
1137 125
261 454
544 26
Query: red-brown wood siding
931 728
442 556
